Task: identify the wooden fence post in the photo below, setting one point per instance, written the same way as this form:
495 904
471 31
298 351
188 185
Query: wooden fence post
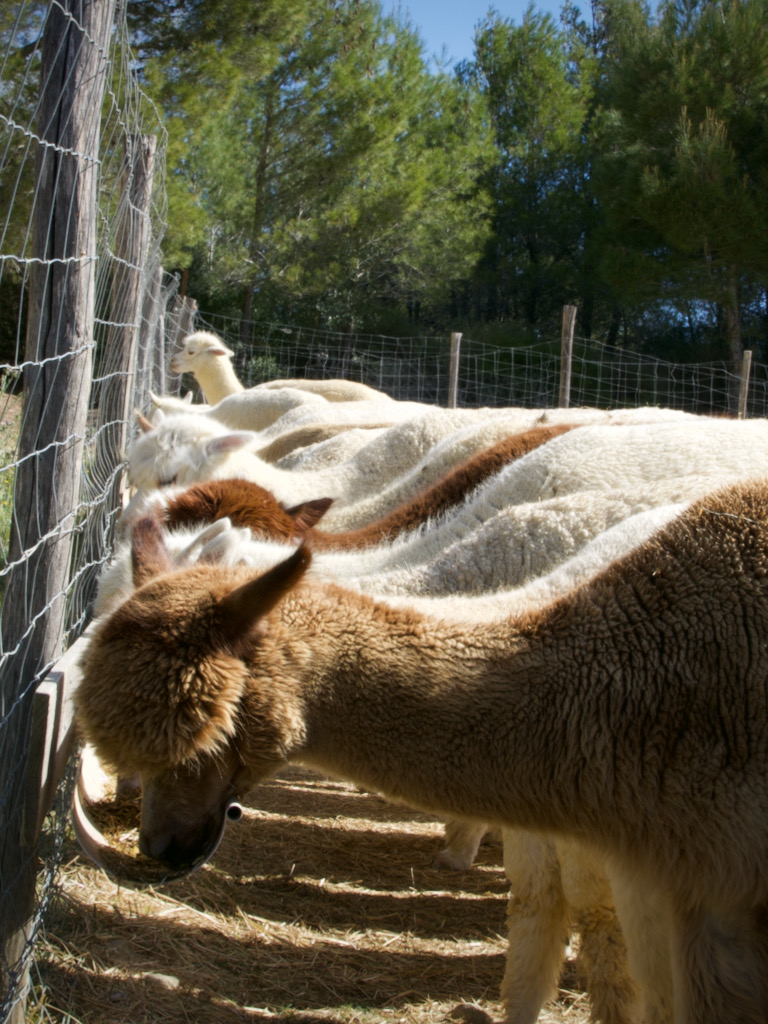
150 362
746 366
126 299
183 318
453 373
566 355
57 384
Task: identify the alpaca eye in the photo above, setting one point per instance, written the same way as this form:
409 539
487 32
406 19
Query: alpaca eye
169 482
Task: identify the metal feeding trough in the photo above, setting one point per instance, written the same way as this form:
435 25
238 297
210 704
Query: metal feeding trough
107 828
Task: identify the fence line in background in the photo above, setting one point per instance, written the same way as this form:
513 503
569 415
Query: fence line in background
746 369
570 371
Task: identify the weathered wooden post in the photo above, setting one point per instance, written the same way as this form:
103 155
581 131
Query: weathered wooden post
182 321
57 383
126 299
453 372
150 362
746 366
566 355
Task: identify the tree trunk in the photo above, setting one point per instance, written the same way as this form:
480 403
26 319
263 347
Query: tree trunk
259 207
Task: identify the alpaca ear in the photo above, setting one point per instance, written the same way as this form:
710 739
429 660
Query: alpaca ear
187 397
243 608
144 423
149 555
203 723
230 442
222 350
308 513
155 399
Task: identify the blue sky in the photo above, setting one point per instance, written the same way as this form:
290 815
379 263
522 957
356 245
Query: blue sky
452 22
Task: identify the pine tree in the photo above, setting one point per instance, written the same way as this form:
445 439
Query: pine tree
685 133
539 98
335 175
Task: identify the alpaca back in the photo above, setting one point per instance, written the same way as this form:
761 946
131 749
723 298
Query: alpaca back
333 390
339 445
428 448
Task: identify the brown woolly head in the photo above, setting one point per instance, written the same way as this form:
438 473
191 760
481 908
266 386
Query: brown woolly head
244 503
164 675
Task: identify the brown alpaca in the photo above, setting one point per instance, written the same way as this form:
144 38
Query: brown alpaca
629 715
248 504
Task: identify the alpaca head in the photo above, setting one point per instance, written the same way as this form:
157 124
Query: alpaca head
244 503
197 347
182 449
165 692
168 405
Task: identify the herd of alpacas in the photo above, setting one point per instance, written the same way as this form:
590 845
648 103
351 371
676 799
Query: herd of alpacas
550 622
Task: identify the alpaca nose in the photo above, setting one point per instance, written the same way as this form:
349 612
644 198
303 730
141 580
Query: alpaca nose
156 845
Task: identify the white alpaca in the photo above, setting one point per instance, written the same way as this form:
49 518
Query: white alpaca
210 361
333 390
594 457
206 356
188 449
276 411
247 410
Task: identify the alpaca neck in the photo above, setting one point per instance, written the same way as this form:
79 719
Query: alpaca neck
625 714
218 380
428 712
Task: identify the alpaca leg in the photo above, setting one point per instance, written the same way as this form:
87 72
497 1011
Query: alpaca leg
644 916
720 967
462 839
537 919
128 786
613 994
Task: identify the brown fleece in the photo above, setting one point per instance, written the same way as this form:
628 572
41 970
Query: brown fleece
248 504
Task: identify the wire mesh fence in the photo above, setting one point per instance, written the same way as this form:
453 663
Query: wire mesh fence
81 182
88 320
417 369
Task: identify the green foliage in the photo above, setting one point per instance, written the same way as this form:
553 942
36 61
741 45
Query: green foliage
331 172
19 31
539 98
320 173
684 130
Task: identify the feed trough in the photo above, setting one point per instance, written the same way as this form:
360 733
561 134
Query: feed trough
107 828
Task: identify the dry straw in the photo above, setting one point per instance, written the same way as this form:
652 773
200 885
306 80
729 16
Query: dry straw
319 905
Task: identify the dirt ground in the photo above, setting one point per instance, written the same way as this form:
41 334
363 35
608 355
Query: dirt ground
320 905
